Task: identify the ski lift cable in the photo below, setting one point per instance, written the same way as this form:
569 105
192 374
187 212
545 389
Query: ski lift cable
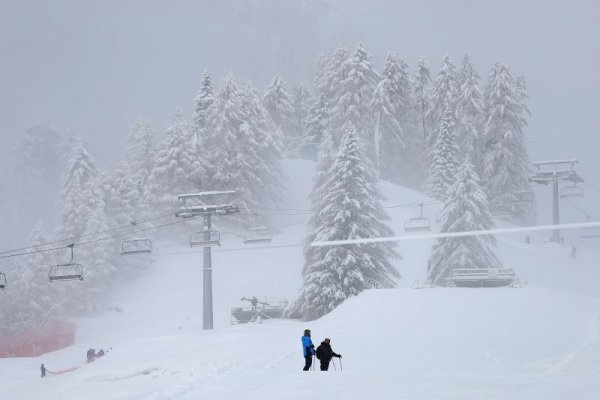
581 210
457 234
98 240
70 239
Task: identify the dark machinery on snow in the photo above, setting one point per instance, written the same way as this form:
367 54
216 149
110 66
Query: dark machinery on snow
258 312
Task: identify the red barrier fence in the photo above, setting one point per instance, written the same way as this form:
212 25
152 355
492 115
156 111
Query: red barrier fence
49 338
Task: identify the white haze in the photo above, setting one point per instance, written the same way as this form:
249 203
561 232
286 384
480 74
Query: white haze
94 67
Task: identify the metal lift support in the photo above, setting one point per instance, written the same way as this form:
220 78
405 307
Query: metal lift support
552 172
206 211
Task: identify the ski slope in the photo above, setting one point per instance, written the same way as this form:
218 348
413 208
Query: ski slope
537 342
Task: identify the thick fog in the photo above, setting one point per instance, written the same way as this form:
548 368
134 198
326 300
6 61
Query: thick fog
94 67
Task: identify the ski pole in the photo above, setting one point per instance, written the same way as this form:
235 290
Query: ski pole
341 364
333 363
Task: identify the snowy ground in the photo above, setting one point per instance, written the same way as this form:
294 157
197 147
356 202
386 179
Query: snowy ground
537 342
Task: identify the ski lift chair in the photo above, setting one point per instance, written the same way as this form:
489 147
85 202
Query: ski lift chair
198 240
590 232
136 246
524 197
481 277
66 272
571 192
259 234
2 280
417 224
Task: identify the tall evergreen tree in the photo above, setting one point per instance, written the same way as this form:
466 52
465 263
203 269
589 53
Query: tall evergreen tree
176 166
331 71
470 114
140 152
506 162
75 203
465 209
422 80
354 99
316 125
278 104
337 273
301 99
202 102
443 92
444 166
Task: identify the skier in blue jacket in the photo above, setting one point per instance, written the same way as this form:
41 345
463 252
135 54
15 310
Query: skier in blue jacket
308 348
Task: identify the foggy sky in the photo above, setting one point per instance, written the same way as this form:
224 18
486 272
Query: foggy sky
95 66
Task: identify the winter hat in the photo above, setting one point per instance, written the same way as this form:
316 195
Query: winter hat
307 331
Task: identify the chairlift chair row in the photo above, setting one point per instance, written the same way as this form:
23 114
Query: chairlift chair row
259 234
66 272
136 245
198 239
418 224
590 232
571 192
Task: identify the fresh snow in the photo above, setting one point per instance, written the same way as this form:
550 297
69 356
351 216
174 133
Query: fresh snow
537 342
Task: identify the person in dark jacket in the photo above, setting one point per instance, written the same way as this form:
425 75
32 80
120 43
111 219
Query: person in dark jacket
325 353
308 349
43 370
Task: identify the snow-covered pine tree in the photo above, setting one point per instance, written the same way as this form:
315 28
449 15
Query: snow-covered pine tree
316 125
301 99
443 92
470 114
262 138
444 165
465 209
241 150
176 166
202 102
422 80
399 144
354 96
331 71
353 211
278 104
506 162
99 258
30 298
75 206
140 152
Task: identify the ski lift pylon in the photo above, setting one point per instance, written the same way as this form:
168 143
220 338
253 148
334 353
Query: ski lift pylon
2 280
66 272
258 234
198 239
418 224
140 245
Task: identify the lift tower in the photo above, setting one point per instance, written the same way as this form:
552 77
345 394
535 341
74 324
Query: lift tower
552 172
207 211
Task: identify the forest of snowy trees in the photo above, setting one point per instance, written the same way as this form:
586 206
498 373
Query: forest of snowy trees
458 139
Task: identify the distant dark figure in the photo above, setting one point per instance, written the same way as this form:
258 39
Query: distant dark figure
562 240
91 353
527 239
573 252
254 302
308 349
43 369
325 353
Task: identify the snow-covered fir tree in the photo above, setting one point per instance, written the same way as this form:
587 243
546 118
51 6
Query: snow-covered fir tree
470 114
443 92
75 203
177 168
399 144
506 162
445 162
301 99
331 71
202 102
354 96
241 151
278 104
30 297
140 152
465 209
316 125
353 211
421 82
